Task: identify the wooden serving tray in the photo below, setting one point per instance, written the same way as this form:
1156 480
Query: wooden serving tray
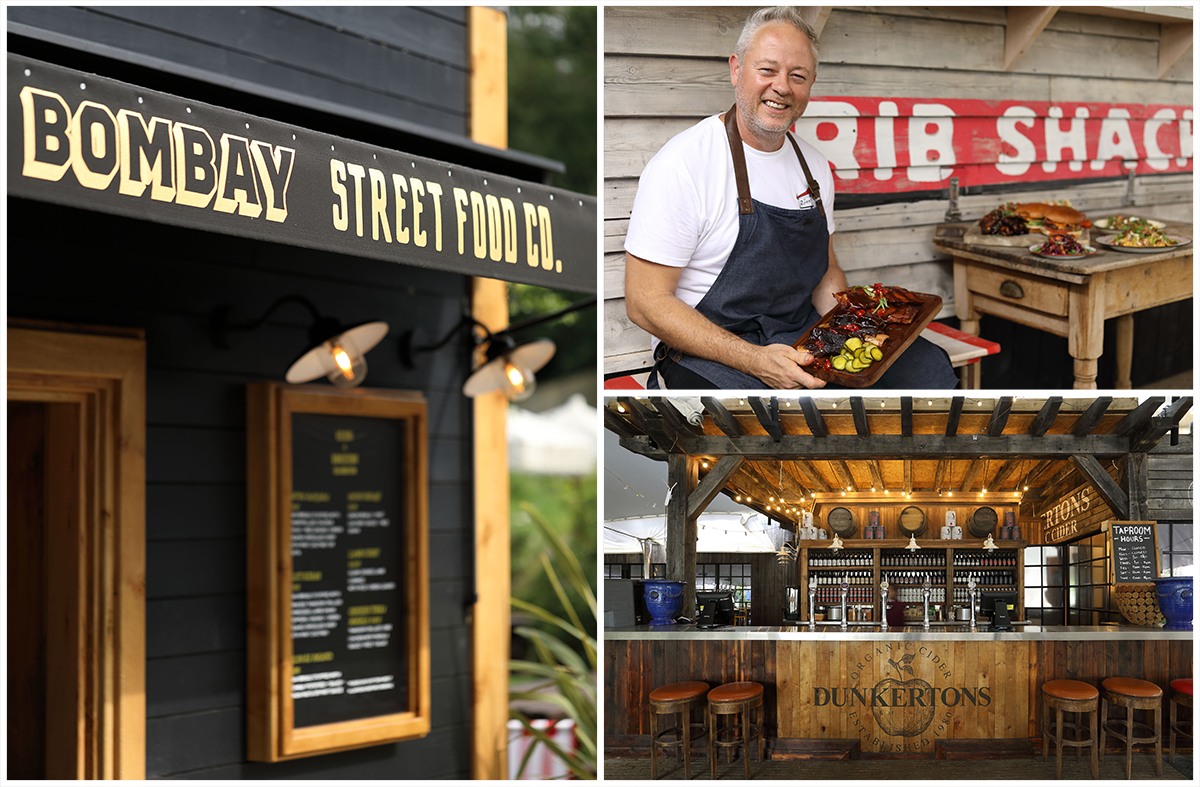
899 338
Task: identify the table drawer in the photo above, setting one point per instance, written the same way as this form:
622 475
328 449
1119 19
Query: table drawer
1019 289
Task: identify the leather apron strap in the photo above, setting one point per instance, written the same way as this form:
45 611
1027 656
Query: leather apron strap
745 203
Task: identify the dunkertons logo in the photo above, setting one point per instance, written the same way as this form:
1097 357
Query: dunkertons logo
902 708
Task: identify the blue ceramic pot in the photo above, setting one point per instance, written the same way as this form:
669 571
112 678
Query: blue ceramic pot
664 597
1175 600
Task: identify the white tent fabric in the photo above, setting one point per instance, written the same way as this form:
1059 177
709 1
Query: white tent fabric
559 441
716 533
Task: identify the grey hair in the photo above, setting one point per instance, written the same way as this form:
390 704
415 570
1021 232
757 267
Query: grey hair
782 13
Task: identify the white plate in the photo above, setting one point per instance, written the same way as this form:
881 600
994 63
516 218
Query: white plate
1103 223
1107 242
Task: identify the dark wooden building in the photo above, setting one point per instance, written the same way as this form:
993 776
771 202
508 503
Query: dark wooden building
111 300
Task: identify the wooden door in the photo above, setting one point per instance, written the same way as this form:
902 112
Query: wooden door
76 555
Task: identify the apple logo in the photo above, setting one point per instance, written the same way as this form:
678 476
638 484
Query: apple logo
909 719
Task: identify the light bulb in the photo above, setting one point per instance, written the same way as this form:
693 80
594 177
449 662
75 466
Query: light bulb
518 382
349 367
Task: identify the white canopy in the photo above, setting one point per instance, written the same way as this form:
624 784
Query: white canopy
716 533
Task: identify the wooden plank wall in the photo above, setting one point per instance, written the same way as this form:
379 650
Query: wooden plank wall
409 63
80 266
666 68
632 668
1170 483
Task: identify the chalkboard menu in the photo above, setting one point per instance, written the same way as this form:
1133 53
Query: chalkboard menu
347 568
1134 549
337 642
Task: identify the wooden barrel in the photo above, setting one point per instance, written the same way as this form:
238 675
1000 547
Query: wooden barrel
983 521
912 521
841 521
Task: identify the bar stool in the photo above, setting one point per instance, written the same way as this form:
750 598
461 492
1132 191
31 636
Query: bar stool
681 698
730 699
1071 696
1132 694
1181 694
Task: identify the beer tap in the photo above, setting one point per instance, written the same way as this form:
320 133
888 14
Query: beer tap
925 593
883 602
812 603
845 593
971 598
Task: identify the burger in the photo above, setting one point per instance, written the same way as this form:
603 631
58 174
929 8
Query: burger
1052 219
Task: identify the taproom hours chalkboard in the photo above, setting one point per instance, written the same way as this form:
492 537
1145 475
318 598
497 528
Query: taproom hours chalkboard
1134 551
348 606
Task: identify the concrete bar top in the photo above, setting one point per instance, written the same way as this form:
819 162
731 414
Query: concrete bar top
827 631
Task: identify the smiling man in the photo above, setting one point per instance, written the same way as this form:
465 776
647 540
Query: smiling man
728 253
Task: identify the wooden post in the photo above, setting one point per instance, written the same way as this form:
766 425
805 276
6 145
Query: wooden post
682 477
1137 486
488 123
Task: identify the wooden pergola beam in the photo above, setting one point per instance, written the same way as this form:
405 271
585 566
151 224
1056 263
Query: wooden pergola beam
952 418
712 484
768 415
999 417
1138 417
722 417
908 477
973 472
1045 417
618 425
1147 437
812 416
1025 24
682 474
676 424
1091 416
906 416
1103 483
861 425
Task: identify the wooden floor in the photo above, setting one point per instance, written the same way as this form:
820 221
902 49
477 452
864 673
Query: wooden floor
1112 767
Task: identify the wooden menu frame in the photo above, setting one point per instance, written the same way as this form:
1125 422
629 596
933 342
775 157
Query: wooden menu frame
271 731
1108 526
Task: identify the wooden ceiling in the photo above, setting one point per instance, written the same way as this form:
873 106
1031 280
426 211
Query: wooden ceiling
800 449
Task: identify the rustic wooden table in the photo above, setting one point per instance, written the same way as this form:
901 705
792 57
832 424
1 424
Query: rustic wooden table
1070 298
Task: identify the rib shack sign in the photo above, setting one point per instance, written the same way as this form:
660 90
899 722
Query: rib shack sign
80 140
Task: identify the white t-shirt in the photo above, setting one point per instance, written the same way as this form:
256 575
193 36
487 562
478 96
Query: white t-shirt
685 213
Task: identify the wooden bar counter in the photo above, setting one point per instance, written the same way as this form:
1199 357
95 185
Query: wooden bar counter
897 691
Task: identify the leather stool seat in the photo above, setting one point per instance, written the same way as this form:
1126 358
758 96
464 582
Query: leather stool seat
1132 687
674 692
1069 696
1071 690
731 699
735 692
1132 694
1181 694
682 698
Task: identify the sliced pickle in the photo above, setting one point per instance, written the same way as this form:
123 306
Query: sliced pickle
876 354
853 343
838 362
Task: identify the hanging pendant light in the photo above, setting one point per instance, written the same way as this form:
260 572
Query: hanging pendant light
509 367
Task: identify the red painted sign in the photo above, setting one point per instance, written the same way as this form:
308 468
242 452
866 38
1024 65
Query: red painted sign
883 145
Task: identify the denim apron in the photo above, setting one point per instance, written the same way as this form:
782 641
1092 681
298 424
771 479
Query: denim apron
764 292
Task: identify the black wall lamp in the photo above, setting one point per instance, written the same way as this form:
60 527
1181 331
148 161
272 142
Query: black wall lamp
335 351
507 366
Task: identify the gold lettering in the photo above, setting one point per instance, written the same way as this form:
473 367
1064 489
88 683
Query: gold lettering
400 188
435 190
460 201
379 206
337 177
420 239
357 172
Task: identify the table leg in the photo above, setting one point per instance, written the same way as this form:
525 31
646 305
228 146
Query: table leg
1085 331
1124 351
964 308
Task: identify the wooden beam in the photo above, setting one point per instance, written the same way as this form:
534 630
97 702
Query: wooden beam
649 421
876 475
908 477
1137 484
675 422
791 469
1138 417
956 407
1148 436
816 424
1174 41
842 471
973 471
920 446
614 423
940 480
999 418
1103 484
906 416
1045 417
681 529
812 479
722 417
1025 24
1003 473
712 484
768 415
1091 416
860 416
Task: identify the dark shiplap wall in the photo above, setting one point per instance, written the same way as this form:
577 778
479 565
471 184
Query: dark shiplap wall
85 267
408 63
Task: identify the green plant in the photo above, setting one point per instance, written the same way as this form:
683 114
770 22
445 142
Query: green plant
561 675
